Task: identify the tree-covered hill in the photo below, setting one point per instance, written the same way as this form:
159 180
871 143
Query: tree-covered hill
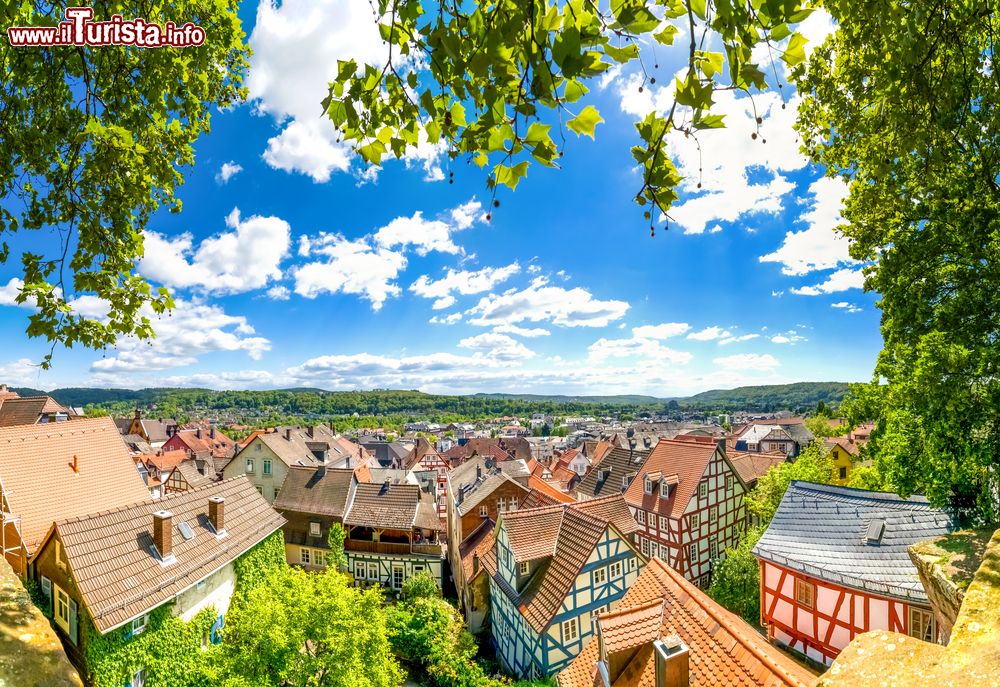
798 396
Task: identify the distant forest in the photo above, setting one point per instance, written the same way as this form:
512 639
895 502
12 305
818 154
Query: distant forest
413 405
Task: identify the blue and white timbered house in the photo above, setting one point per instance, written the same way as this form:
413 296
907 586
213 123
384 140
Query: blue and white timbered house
552 570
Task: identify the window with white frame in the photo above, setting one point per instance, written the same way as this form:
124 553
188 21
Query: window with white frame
600 576
319 558
729 483
642 517
703 489
664 523
570 629
647 485
513 503
616 569
664 489
359 570
484 511
501 504
692 552
523 567
315 529
304 557
62 609
372 571
713 515
250 466
713 549
695 521
139 624
644 546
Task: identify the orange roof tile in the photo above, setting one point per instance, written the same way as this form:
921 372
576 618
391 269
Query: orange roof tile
631 626
686 459
544 487
724 650
36 470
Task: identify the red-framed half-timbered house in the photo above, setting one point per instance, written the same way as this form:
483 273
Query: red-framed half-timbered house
834 564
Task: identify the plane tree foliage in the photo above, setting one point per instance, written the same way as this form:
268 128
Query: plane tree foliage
901 103
500 83
94 142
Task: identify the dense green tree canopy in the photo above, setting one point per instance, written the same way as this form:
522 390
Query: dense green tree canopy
94 140
901 102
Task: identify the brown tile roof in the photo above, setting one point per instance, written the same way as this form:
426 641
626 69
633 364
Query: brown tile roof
219 446
540 485
120 578
6 393
392 506
687 460
25 410
752 466
489 448
479 543
165 460
192 475
612 509
844 443
567 535
156 430
316 490
724 650
36 470
629 627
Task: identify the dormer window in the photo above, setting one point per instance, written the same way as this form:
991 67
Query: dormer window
314 529
648 485
523 568
664 489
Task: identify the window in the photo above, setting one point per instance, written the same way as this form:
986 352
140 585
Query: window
647 485
315 530
397 576
250 465
713 549
304 556
843 473
664 489
60 561
139 624
644 546
513 503
703 489
484 511
642 517
62 609
257 445
501 504
319 558
616 569
922 624
523 568
704 582
139 678
729 483
664 553
373 571
570 630
804 593
693 552
625 480
713 515
267 468
600 576
695 521
260 490
359 570
664 524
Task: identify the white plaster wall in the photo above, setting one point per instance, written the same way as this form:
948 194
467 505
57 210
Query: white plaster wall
217 592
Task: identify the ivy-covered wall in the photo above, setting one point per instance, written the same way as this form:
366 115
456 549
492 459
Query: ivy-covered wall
172 652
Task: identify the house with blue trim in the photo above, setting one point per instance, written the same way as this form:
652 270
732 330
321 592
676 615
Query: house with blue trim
118 571
552 570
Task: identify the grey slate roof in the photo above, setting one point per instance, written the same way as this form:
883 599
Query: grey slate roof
478 484
820 530
605 478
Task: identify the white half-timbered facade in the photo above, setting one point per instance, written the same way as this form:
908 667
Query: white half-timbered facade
834 564
687 499
552 570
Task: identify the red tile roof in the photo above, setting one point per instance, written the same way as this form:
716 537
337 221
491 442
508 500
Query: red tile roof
724 650
547 489
687 460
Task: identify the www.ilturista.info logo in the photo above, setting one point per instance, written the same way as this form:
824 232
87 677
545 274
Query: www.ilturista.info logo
80 29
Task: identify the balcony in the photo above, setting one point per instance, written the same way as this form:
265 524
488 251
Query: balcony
394 549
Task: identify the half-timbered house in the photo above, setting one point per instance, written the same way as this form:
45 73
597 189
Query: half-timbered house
834 564
551 570
688 500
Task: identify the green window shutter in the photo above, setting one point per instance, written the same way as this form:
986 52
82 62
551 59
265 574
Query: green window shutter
47 592
73 623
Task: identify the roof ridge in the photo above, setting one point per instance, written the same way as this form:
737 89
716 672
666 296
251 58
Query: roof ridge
854 492
620 611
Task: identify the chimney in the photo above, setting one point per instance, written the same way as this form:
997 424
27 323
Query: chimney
162 533
475 563
3 388
197 433
671 662
217 513
75 464
479 471
309 431
211 432
288 434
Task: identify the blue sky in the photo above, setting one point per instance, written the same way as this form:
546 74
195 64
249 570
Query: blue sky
293 266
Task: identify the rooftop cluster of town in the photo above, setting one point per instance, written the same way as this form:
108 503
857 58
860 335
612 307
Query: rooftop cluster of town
584 557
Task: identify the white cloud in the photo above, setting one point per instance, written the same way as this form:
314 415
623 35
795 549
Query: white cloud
296 45
661 331
354 267
841 280
453 318
227 172
10 291
636 347
540 302
279 293
497 347
737 339
241 260
709 334
819 246
521 331
789 337
748 361
463 282
21 372
426 235
846 307
188 332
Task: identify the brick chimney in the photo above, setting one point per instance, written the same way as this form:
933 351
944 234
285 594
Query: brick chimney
211 432
309 431
163 533
672 668
217 513
288 434
197 433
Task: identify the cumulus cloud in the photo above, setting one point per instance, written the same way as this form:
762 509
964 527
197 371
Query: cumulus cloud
731 339
661 331
541 302
709 334
20 372
10 291
526 332
425 235
841 280
846 307
227 172
789 337
498 347
748 361
296 45
603 349
464 282
279 293
236 261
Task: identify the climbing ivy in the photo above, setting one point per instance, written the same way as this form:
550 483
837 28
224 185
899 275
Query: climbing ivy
253 566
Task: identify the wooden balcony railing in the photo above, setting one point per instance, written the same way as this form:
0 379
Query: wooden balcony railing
392 548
